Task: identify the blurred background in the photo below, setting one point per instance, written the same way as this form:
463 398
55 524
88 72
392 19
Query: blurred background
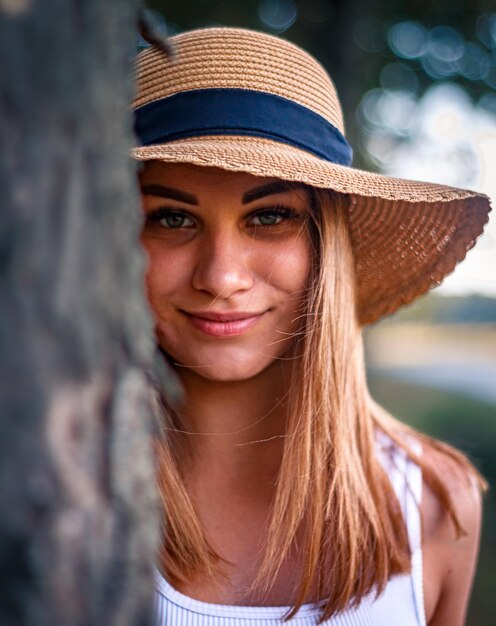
417 80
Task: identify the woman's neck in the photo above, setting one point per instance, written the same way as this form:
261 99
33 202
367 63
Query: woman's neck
237 427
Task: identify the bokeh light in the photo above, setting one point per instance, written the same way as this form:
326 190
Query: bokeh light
446 44
469 65
277 15
488 69
390 111
486 29
487 102
408 40
443 52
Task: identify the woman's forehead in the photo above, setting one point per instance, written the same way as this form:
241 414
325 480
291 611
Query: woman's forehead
215 179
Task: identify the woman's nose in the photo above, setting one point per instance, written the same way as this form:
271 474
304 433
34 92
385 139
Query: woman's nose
222 266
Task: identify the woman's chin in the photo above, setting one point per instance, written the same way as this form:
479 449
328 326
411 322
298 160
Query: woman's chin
224 370
223 374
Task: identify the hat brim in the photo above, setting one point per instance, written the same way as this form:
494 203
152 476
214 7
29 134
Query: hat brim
407 235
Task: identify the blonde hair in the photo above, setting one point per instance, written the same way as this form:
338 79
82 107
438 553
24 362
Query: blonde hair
331 485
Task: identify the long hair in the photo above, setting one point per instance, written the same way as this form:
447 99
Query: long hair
332 490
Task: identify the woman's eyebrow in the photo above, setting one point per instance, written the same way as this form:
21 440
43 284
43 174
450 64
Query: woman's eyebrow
169 192
278 186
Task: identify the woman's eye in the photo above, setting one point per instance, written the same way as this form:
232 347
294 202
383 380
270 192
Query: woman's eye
170 219
271 217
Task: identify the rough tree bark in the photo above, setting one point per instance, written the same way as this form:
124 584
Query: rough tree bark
78 507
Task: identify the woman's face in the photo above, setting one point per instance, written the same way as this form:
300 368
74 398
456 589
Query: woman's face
229 260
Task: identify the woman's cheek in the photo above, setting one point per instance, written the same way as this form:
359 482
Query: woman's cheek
289 268
164 276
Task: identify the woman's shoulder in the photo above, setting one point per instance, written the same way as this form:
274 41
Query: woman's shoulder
439 469
449 491
449 558
459 483
445 488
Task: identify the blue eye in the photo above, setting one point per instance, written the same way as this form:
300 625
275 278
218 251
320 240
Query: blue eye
271 217
169 218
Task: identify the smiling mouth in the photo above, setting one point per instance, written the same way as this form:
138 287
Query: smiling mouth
223 324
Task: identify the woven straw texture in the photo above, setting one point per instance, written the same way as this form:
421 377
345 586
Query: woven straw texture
407 235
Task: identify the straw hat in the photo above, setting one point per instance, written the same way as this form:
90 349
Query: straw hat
252 102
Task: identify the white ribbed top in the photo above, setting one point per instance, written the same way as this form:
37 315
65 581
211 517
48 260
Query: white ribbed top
401 603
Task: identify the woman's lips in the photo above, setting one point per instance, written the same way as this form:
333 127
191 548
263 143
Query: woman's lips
223 324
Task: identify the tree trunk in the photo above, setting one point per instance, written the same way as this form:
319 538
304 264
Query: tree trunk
78 523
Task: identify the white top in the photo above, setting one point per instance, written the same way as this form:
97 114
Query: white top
401 603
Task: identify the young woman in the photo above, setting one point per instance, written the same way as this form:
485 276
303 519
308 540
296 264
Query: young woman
287 492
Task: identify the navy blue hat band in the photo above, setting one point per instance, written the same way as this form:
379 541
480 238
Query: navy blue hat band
240 112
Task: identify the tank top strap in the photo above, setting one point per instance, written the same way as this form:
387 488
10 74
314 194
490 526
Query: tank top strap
406 479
